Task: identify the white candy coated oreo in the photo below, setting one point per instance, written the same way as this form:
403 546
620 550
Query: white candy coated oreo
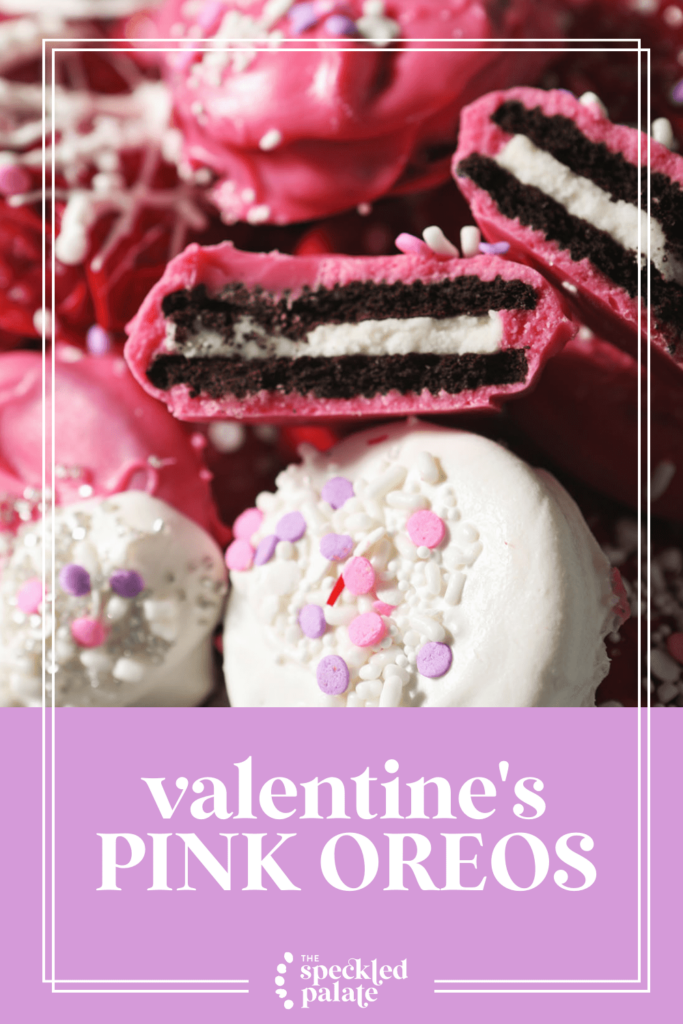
508 609
139 590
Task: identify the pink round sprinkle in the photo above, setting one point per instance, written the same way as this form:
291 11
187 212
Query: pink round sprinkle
332 674
336 546
337 491
265 550
291 527
88 632
30 596
14 180
382 608
426 529
239 555
312 621
434 660
674 645
247 523
359 576
367 629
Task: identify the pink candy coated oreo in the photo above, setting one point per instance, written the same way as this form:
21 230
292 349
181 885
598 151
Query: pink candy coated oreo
291 377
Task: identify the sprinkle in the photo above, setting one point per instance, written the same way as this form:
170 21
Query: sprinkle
88 632
339 25
74 580
271 140
226 436
428 467
455 587
428 627
301 17
387 481
30 596
673 16
439 244
382 608
312 621
337 491
265 550
377 440
426 529
336 546
470 237
434 660
332 674
677 92
662 132
15 179
494 248
390 696
412 246
590 99
291 526
98 341
126 583
359 576
336 591
674 645
367 630
239 555
247 523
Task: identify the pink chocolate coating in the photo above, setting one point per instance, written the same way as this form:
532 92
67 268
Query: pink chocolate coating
604 306
374 118
109 435
541 331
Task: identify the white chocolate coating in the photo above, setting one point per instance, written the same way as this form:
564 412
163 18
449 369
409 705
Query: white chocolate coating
518 589
157 649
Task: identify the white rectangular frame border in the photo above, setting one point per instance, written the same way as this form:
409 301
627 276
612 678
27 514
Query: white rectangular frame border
49 740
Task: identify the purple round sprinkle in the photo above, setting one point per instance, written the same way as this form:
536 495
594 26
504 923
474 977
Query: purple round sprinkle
337 491
301 17
677 92
332 674
336 546
340 25
494 248
434 660
265 550
312 621
74 580
291 527
126 582
98 341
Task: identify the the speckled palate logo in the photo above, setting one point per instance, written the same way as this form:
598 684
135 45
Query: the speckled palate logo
304 980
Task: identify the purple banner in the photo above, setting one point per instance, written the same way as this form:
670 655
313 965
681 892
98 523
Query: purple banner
199 855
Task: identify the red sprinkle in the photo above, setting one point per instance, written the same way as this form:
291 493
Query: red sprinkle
377 440
336 591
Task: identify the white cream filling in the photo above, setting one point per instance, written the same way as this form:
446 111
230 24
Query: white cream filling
478 335
583 198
